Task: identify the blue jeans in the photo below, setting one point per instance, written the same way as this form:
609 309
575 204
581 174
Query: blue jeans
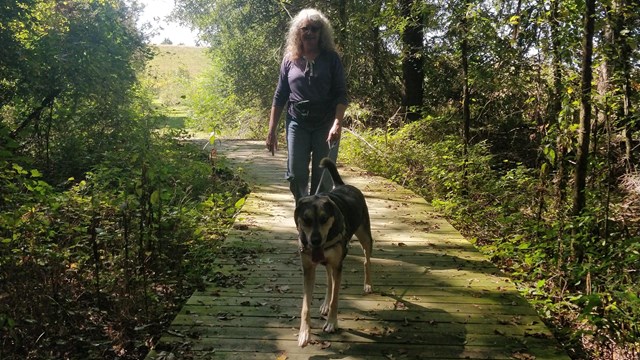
307 143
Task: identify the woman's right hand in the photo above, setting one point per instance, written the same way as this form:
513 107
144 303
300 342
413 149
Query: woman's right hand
272 142
272 136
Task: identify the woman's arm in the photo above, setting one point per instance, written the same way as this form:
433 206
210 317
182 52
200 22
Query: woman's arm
336 129
272 136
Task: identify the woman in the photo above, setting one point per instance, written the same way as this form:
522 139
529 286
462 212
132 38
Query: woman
312 82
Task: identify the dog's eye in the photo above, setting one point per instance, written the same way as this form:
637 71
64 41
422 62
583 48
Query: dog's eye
322 219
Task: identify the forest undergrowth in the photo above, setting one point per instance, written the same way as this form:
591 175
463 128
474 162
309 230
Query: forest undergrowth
515 217
97 268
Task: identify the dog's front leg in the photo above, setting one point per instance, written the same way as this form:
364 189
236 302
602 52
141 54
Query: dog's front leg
309 272
334 258
324 308
332 318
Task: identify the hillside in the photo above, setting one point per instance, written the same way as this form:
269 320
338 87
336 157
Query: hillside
173 69
171 57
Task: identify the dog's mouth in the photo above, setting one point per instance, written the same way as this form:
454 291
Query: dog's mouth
317 254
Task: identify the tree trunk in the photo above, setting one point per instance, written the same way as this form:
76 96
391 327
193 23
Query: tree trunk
412 60
582 157
466 112
342 31
616 73
555 106
556 100
36 113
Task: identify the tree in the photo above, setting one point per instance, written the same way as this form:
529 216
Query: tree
412 58
466 100
619 16
71 84
582 157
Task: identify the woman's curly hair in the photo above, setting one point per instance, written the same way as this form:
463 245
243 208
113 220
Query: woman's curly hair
293 47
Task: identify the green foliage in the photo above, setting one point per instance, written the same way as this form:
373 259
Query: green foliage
245 37
106 222
215 108
67 98
568 267
138 223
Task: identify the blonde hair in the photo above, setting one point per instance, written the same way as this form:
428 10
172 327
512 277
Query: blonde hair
293 46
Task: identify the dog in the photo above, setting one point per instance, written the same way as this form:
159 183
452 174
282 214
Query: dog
325 223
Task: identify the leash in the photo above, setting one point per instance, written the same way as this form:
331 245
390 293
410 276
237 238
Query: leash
333 146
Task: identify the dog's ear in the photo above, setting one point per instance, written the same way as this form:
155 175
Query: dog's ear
338 224
299 206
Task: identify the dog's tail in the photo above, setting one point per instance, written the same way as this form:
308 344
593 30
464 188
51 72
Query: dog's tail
329 165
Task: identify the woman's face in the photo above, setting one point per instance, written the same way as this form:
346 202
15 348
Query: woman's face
310 34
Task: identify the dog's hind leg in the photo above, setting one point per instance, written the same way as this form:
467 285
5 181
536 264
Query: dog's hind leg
309 271
366 241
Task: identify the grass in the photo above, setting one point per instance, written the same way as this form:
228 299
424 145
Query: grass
170 58
173 70
175 117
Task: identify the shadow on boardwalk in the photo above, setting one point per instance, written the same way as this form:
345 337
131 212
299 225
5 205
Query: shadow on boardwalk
435 296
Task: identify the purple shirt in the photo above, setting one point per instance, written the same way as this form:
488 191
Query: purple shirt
321 82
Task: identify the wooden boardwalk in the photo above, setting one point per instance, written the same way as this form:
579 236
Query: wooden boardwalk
435 296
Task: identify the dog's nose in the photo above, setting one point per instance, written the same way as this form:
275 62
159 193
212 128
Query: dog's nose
316 238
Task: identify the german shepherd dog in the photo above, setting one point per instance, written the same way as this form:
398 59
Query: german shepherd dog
326 222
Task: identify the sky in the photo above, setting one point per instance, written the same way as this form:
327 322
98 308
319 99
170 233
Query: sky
155 13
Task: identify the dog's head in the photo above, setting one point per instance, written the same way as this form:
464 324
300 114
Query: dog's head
318 220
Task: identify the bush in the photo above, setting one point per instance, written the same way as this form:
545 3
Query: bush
506 209
109 260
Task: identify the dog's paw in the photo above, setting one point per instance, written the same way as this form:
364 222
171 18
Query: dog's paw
368 289
324 308
303 336
330 326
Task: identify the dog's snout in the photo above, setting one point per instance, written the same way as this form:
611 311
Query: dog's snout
316 238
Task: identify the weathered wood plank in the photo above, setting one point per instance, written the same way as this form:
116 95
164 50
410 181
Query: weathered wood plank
455 349
268 318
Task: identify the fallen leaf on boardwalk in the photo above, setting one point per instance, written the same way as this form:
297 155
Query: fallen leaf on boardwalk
175 333
507 322
282 356
283 289
325 345
399 306
166 356
523 356
224 317
374 331
538 335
